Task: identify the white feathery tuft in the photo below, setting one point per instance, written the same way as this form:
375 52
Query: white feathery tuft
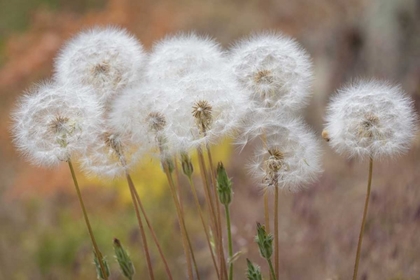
176 56
275 71
53 122
371 119
289 157
107 59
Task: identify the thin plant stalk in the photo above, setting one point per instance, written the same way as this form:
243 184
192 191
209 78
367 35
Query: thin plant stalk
266 211
142 233
149 225
276 229
82 205
362 228
272 273
203 222
213 182
180 219
181 203
219 246
229 233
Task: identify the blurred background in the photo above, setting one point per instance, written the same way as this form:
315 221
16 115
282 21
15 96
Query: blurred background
42 232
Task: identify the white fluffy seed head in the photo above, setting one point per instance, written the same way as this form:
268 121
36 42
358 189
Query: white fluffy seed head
177 56
370 119
205 107
274 69
107 59
53 122
139 114
111 156
288 157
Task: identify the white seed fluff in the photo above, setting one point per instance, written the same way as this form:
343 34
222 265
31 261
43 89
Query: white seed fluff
371 119
275 70
289 157
108 59
53 123
205 107
176 56
139 114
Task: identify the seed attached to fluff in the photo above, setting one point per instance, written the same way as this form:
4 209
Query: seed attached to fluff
112 142
325 135
202 112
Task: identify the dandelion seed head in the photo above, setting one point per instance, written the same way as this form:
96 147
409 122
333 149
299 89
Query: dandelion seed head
53 122
107 59
204 108
275 70
176 56
288 157
371 119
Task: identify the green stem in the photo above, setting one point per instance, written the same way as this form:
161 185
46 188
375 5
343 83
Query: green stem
272 273
95 246
362 228
276 229
229 232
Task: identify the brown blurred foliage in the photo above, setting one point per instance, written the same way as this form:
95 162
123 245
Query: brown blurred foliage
319 226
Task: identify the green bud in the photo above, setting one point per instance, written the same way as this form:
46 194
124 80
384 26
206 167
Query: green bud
224 185
264 241
253 272
123 260
187 166
167 163
99 273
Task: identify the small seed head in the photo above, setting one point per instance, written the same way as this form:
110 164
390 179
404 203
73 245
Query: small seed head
202 112
156 121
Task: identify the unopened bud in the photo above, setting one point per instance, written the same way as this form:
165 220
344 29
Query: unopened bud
224 185
264 241
99 273
123 259
253 272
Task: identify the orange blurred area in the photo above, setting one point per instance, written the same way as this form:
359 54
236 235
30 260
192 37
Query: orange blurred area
42 233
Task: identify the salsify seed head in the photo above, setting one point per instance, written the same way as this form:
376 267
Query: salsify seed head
370 119
107 59
203 108
54 122
287 157
274 69
176 56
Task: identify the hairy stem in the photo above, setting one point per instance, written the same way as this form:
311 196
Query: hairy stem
362 228
92 237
